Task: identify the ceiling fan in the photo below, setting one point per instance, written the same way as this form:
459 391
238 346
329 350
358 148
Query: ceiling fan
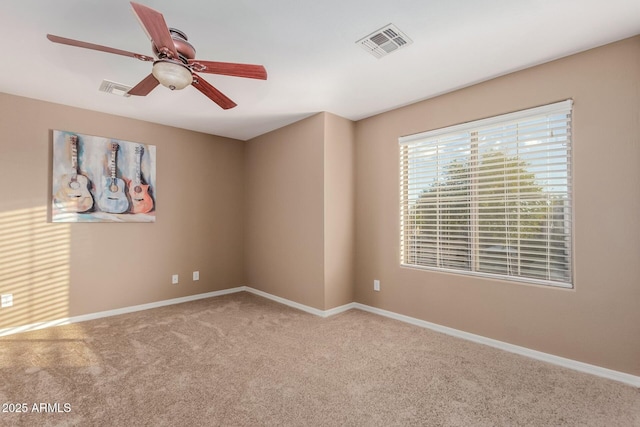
174 63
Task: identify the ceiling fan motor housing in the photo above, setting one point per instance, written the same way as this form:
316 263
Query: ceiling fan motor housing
185 49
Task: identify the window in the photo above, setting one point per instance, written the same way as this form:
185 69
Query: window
491 197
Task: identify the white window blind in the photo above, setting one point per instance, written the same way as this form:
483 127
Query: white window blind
491 197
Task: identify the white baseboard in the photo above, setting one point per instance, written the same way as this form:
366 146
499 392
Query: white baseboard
115 312
302 307
632 380
523 351
534 354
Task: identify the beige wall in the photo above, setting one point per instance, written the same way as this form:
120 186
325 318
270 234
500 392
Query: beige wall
599 321
59 270
300 204
284 225
339 211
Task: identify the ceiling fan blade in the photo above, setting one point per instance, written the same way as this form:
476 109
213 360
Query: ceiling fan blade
77 43
212 93
145 86
229 69
156 28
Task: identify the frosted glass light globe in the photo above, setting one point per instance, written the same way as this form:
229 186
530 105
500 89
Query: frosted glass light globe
172 74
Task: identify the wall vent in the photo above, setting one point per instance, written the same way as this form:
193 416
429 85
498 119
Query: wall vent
384 41
114 88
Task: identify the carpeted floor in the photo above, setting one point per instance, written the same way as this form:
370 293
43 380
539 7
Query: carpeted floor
241 360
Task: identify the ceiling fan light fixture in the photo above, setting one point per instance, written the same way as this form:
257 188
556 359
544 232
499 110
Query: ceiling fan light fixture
174 62
172 74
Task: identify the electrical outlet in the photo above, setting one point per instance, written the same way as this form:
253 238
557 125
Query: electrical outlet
196 275
376 285
7 300
174 279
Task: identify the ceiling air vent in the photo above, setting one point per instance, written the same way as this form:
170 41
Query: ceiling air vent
114 88
384 41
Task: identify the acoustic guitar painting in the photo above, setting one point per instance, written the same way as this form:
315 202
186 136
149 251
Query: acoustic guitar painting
113 198
102 179
73 194
141 201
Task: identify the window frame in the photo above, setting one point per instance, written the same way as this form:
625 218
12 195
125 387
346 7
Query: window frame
563 107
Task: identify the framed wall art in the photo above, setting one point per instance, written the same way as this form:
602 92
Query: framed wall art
98 179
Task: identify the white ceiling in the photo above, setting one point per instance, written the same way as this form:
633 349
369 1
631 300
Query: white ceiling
307 47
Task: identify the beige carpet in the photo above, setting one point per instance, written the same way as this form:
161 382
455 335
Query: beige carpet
241 360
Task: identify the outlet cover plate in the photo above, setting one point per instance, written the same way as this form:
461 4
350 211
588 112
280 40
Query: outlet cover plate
7 300
174 279
196 275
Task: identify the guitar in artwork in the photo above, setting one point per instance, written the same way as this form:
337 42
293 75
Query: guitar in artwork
113 198
73 194
141 201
